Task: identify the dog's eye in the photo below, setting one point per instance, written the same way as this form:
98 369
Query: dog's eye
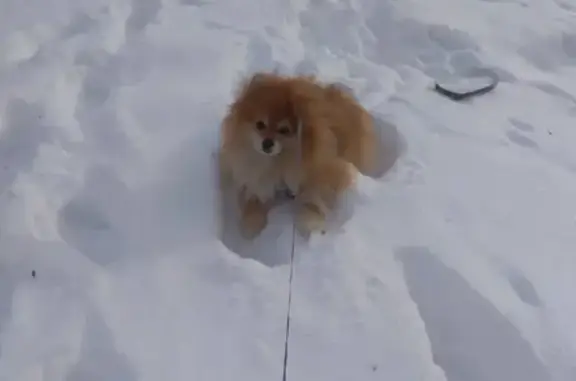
284 130
260 125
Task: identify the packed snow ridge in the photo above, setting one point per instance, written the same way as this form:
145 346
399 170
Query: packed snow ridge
456 262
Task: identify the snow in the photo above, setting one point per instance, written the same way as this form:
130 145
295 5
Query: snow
456 262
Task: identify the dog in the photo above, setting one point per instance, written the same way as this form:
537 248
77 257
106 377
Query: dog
296 133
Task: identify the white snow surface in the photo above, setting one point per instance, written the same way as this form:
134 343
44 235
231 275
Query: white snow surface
117 261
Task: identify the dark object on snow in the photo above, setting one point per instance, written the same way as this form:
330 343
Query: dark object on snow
33 273
462 95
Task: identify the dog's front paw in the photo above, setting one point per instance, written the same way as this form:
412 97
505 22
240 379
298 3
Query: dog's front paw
254 220
310 219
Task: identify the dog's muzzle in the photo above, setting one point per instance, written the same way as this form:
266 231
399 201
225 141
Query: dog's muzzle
267 145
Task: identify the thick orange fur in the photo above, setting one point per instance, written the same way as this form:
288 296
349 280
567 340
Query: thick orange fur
337 139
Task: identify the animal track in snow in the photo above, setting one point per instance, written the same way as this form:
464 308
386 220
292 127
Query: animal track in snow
105 72
523 287
520 125
306 67
565 5
99 357
569 44
259 55
521 140
8 283
435 49
321 21
470 338
554 90
551 51
84 223
272 247
80 24
22 133
143 13
390 146
110 222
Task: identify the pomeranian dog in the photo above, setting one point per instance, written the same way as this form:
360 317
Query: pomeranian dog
297 134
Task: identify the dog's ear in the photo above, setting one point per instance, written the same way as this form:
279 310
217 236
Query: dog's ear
244 86
252 82
260 78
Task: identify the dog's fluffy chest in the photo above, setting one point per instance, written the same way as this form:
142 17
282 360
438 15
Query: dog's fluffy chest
263 178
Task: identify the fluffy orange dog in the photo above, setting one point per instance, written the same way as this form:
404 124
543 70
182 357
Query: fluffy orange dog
294 133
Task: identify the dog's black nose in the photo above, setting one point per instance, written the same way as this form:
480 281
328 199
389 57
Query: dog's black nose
267 145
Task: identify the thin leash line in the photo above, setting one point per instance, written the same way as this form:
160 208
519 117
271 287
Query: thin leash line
291 276
289 302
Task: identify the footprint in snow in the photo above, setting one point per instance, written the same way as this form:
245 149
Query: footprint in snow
554 91
99 358
81 24
468 334
521 140
22 134
84 223
8 284
518 134
143 13
521 125
523 287
259 56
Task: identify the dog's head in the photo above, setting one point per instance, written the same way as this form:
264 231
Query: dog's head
264 114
